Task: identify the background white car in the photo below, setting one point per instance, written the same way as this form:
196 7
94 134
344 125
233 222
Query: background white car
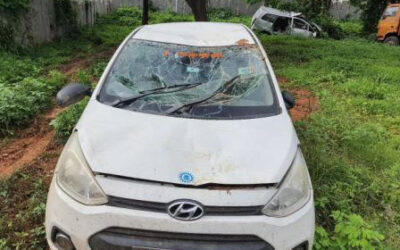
273 21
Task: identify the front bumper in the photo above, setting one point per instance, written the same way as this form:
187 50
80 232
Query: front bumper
81 222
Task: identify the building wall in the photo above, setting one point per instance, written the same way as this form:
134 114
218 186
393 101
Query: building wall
39 24
341 9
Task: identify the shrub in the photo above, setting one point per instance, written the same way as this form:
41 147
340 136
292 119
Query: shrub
351 28
66 121
221 15
14 68
20 102
330 27
351 232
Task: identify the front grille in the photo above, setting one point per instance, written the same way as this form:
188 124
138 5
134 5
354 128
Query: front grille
162 207
121 238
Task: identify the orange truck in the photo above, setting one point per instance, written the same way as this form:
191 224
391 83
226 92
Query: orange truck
389 26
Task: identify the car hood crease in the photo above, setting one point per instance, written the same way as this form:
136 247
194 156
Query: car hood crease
159 148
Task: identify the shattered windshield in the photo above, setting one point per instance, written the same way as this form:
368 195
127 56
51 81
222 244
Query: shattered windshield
197 82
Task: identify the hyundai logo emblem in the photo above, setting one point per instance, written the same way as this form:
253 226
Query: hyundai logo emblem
185 210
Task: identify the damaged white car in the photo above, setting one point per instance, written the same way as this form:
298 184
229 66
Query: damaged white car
186 143
273 21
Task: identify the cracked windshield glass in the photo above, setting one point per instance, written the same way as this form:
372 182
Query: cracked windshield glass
198 82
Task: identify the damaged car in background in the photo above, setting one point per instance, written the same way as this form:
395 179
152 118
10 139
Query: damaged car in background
273 21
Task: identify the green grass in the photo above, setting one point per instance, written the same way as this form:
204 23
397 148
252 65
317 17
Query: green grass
351 144
22 207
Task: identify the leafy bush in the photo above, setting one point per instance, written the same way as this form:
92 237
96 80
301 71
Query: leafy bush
66 121
20 102
330 27
13 7
14 68
351 28
97 69
351 232
222 15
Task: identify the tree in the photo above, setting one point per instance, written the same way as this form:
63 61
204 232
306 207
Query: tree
371 12
198 7
145 15
315 8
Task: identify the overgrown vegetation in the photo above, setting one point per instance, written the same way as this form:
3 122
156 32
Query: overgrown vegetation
352 143
10 11
20 102
65 14
371 12
23 203
25 89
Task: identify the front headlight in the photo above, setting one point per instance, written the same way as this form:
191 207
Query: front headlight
74 176
293 193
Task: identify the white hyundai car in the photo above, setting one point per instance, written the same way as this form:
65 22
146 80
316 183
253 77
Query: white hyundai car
186 143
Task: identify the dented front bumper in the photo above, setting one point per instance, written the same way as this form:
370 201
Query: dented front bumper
88 227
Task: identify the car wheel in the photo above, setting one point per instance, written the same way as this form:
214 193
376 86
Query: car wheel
392 40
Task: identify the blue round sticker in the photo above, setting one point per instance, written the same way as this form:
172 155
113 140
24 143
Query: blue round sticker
186 177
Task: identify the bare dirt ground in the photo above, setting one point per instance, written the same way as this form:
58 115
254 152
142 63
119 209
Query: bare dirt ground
31 143
306 101
75 65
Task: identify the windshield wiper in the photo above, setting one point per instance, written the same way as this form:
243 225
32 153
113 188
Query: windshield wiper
221 89
156 91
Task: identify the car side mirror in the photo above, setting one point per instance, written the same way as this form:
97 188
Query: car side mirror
73 93
289 99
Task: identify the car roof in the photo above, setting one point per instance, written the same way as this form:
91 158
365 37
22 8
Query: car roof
267 10
201 34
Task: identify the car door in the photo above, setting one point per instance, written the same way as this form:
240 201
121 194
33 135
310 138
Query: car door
301 28
265 23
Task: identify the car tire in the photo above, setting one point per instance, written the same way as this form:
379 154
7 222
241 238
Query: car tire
392 40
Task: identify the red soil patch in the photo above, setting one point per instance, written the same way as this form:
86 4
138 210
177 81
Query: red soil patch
31 144
72 67
306 101
282 80
37 139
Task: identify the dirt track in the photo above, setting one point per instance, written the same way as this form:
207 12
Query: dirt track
306 101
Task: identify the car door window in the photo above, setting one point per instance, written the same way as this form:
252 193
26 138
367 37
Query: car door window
299 24
269 18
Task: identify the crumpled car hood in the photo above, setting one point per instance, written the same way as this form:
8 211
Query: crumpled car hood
159 148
